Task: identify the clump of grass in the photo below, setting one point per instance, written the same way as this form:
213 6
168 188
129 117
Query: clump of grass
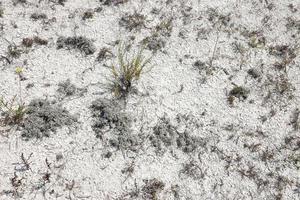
127 71
13 112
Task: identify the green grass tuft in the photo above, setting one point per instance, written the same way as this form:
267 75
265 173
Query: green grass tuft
127 71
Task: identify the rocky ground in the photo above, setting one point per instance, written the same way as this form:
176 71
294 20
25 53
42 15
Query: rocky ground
213 114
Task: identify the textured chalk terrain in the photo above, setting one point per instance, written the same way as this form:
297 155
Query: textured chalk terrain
215 114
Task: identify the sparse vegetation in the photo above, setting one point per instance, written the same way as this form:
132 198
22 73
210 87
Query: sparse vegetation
14 51
104 54
112 124
38 16
157 40
257 40
133 21
166 135
126 72
108 115
89 14
1 11
81 43
113 2
40 41
238 92
66 88
27 42
43 118
16 2
295 119
218 117
13 111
